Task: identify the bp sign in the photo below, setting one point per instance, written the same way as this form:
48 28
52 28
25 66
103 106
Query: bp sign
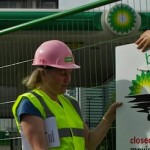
122 19
133 89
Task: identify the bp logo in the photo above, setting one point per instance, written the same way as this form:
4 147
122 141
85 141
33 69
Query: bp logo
140 91
122 19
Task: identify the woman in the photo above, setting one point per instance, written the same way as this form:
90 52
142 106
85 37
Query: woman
47 118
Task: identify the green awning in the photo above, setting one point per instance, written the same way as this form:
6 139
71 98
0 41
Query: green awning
85 21
82 21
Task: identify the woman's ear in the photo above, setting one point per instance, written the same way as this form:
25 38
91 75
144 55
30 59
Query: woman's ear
42 73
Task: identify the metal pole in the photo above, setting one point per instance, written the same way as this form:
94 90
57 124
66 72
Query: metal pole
57 15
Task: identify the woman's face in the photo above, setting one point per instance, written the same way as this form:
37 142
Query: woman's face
57 80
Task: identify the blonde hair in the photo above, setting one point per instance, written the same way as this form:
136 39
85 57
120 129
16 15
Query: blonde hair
33 81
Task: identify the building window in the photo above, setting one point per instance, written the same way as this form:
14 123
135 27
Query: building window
44 4
53 4
15 3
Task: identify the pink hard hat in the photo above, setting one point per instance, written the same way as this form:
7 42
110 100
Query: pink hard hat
56 54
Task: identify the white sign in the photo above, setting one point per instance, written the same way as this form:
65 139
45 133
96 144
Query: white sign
51 132
133 89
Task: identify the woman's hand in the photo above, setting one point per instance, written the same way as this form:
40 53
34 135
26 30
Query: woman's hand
111 112
144 41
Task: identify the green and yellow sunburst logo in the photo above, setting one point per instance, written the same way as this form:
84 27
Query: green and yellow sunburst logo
121 19
141 85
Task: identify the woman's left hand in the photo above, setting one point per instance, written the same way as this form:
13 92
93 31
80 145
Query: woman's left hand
111 112
144 41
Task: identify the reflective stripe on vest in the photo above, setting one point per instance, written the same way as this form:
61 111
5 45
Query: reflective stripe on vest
66 132
63 132
75 104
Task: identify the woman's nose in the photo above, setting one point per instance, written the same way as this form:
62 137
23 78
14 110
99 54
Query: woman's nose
67 78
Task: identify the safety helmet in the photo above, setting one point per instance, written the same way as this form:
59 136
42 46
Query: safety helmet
56 54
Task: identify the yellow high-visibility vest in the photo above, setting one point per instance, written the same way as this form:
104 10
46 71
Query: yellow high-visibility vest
68 119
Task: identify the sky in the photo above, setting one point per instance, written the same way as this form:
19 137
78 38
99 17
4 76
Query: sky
139 5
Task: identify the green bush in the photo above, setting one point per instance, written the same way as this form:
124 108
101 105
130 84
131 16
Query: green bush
4 135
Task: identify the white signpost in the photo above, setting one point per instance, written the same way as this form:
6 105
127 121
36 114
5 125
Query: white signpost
133 89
